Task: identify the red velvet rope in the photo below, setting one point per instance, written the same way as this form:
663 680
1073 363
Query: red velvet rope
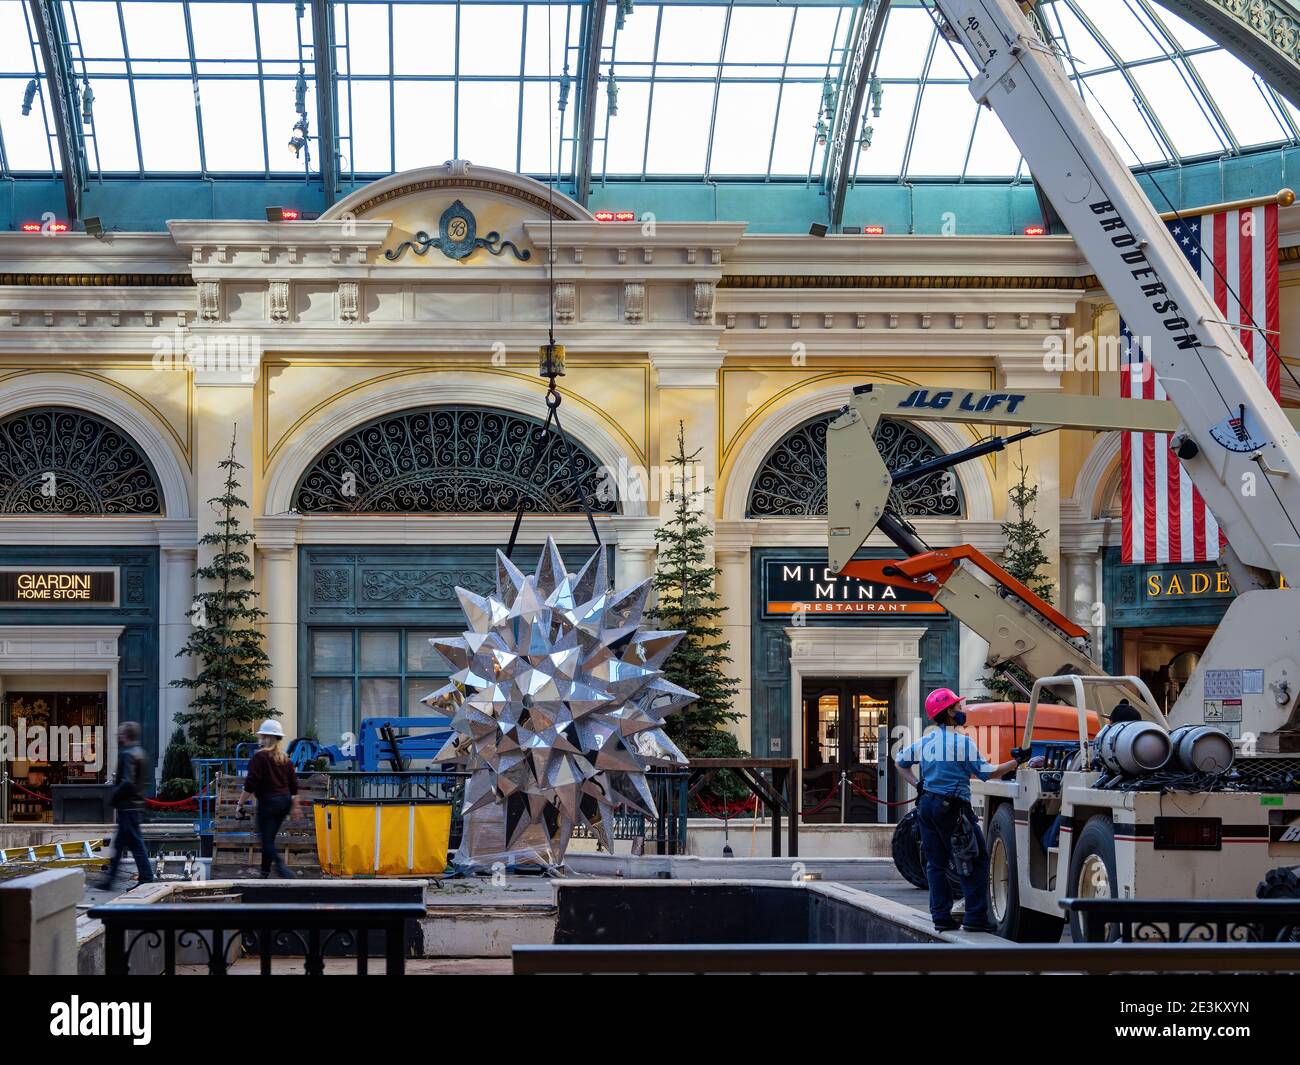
33 794
192 803
873 798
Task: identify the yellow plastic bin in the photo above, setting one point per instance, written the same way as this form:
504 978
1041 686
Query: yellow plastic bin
360 838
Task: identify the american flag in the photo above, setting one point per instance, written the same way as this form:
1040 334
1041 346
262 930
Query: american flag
1164 517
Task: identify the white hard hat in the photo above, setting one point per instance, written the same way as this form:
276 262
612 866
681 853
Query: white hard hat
270 727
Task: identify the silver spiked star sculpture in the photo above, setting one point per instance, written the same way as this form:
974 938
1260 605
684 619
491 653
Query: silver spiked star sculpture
558 703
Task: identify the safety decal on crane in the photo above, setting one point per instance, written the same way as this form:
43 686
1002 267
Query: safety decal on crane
1237 434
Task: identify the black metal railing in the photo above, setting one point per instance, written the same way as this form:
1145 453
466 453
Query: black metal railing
217 933
1185 920
666 834
912 958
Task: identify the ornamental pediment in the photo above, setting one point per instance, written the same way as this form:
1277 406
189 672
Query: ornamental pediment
458 216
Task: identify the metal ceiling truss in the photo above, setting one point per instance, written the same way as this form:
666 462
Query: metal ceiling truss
589 49
327 112
855 82
61 84
1263 34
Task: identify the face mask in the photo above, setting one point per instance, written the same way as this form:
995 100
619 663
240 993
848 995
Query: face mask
958 717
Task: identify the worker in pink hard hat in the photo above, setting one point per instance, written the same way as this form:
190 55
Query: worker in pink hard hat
947 760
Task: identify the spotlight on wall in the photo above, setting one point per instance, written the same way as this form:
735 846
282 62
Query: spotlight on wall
29 96
298 141
94 227
817 230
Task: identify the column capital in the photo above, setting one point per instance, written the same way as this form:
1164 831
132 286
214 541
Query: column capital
276 532
177 535
695 367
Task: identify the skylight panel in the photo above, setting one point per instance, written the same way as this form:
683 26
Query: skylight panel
624 147
1240 99
679 128
414 26
992 153
758 35
742 128
793 145
231 141
889 133
1179 108
429 107
904 44
490 38
943 129
155 31
489 123
94 26
817 31
169 134
691 34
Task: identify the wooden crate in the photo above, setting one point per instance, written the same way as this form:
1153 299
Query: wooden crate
236 846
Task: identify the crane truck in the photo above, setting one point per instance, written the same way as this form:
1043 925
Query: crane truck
1083 829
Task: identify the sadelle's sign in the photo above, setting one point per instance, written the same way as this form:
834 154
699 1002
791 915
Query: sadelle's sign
797 587
33 586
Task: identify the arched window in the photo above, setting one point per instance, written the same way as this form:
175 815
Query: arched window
452 460
56 460
792 480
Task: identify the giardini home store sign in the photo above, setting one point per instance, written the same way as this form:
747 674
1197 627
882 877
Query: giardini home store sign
33 587
800 587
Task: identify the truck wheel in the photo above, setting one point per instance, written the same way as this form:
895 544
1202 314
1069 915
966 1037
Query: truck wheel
905 846
1280 884
1015 922
1092 875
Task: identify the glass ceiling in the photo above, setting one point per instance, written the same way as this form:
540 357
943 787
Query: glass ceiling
690 90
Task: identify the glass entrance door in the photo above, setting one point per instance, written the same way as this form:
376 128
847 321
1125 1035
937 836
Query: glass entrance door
842 719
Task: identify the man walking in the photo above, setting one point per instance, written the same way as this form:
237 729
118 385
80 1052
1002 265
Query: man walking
128 801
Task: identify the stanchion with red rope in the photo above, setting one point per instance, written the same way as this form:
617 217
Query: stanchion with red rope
819 807
32 794
872 798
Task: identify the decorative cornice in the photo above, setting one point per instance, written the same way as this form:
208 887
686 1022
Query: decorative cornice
940 281
98 280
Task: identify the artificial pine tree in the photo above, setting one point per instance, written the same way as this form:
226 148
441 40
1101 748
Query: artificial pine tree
1023 558
687 599
226 640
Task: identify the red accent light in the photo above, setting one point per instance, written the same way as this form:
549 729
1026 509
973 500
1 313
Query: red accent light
874 231
31 227
45 227
1035 231
290 214
615 216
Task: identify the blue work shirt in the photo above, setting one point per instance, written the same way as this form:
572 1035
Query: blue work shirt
948 760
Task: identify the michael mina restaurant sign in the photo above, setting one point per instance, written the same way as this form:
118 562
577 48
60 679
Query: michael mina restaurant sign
799 587
34 587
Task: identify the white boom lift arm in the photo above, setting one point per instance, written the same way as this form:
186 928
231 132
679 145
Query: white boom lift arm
1238 446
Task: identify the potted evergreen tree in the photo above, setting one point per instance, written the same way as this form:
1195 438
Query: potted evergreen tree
685 586
231 678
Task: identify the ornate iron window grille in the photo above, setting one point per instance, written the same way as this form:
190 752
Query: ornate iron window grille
792 480
452 460
56 460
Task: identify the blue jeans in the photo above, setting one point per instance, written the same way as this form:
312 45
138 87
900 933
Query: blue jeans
939 816
129 837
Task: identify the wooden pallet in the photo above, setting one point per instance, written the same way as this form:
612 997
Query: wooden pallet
236 846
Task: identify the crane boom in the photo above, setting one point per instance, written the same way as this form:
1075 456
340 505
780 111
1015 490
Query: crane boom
1237 446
